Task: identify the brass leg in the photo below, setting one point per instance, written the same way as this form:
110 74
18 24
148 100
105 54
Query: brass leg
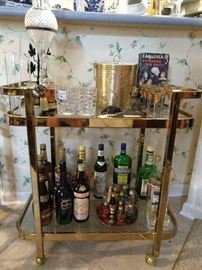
150 259
40 258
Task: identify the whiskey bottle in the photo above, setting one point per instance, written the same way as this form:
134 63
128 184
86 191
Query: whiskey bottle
64 198
100 174
81 196
144 172
122 169
49 93
44 197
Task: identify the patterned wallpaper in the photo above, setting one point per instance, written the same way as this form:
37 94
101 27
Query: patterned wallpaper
74 50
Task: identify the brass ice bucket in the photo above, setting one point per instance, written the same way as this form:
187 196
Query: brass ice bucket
114 83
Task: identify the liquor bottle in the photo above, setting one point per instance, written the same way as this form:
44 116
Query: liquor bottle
48 167
82 159
49 93
64 198
100 174
122 169
44 197
62 157
81 196
56 187
144 172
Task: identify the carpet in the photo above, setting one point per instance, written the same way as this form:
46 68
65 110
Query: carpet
190 256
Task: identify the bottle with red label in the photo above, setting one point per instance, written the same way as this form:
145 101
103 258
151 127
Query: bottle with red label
81 195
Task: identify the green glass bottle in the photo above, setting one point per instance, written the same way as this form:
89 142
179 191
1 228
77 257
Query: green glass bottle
144 172
122 169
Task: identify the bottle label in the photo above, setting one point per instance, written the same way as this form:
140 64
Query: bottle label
66 204
150 159
81 208
44 198
122 174
101 163
81 195
143 191
100 183
100 153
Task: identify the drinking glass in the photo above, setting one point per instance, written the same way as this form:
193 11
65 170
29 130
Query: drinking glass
87 101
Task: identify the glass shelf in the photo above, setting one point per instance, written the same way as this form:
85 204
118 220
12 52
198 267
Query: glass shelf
185 120
93 228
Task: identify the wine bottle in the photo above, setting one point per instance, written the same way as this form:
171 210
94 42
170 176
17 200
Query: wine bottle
45 200
81 196
48 167
144 172
64 198
122 169
100 174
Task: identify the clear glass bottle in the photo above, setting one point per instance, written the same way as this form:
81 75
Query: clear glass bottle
122 169
64 198
144 172
100 174
81 196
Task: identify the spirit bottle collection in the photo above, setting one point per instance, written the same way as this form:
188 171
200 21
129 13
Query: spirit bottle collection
69 196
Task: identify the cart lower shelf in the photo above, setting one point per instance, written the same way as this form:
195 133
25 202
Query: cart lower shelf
92 229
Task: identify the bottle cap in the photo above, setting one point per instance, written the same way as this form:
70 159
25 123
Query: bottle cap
82 147
62 165
43 146
123 146
150 148
101 146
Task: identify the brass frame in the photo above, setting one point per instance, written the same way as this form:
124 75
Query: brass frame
31 121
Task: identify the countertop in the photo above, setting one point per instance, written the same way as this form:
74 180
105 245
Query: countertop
73 17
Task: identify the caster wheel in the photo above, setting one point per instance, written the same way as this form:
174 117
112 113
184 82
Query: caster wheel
40 260
150 259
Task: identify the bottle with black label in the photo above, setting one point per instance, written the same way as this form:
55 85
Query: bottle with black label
100 174
64 198
122 169
81 195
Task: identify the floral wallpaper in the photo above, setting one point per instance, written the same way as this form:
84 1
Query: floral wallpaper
74 51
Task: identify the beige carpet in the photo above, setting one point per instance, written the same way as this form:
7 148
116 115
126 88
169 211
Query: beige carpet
190 256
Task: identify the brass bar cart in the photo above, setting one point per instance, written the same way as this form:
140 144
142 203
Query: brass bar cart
29 222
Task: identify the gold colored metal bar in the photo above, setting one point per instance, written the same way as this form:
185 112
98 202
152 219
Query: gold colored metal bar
32 147
175 104
59 121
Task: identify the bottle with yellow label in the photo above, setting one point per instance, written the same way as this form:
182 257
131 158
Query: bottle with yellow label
122 169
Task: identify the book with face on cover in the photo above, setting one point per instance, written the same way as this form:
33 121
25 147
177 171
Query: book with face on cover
153 68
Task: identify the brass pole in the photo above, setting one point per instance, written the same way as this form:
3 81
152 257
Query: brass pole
32 147
169 147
